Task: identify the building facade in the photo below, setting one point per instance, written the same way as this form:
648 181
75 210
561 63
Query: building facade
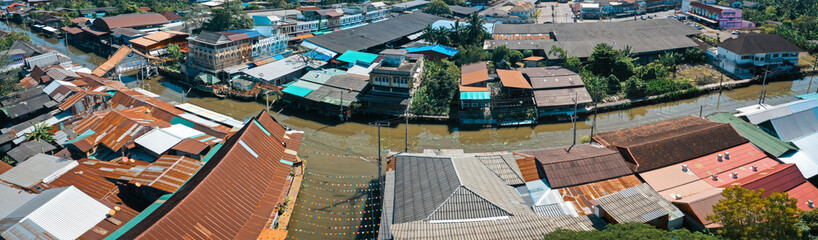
718 16
754 53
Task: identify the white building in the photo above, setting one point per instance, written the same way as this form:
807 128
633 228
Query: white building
752 54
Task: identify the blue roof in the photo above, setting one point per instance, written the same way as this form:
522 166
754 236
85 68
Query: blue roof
317 55
297 91
475 95
808 96
437 48
250 33
355 56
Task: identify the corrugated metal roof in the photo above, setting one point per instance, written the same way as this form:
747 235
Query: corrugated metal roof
159 140
700 205
514 227
761 113
584 164
12 198
233 196
353 57
797 124
475 95
804 193
168 173
774 180
61 213
513 79
582 197
39 168
117 128
203 112
636 204
758 137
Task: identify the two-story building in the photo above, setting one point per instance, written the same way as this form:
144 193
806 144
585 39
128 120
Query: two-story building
394 82
751 54
219 53
717 16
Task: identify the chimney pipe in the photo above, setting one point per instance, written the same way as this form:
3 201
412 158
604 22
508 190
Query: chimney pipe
720 157
810 204
678 196
684 167
735 174
755 168
715 177
727 155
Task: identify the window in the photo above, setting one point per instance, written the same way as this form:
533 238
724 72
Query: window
746 57
775 55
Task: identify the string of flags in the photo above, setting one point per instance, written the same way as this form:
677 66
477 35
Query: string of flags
338 218
343 184
338 190
337 228
337 234
340 213
338 206
339 176
340 200
333 155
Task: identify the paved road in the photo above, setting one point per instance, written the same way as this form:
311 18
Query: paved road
561 13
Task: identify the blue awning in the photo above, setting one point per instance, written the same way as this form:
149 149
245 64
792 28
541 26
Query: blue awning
475 95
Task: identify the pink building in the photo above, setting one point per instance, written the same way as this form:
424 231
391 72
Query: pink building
718 16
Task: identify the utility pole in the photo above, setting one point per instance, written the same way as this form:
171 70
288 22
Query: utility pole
814 64
380 159
406 131
574 120
763 83
593 127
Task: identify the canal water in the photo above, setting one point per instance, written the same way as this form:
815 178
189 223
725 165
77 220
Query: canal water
89 60
335 201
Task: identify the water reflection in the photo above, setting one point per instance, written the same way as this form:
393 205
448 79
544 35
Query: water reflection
89 60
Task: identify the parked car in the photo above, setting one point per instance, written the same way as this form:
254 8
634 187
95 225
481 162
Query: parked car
736 32
699 27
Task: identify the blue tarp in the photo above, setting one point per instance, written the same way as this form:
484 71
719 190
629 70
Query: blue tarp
437 48
475 95
297 91
250 33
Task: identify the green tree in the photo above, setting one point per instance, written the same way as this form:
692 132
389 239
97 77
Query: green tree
747 214
515 57
229 17
694 56
613 84
631 231
175 53
470 54
573 64
635 88
475 31
454 2
252 6
528 53
8 40
808 224
605 61
559 52
499 54
670 60
437 90
438 7
6 159
41 132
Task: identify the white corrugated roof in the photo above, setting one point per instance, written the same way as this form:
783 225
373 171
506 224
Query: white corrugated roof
807 158
796 125
40 167
159 140
211 115
193 118
64 213
54 85
760 113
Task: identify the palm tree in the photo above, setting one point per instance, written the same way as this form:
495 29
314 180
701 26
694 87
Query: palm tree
475 31
41 132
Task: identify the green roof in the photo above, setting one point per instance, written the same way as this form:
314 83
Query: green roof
758 137
297 91
320 76
207 78
355 56
80 137
808 96
475 95
142 215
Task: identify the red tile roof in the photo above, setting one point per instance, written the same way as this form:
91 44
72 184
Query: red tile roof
171 16
776 179
232 196
726 179
700 205
657 145
804 192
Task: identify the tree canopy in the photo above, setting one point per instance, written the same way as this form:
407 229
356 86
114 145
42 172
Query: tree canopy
747 214
437 89
437 7
229 17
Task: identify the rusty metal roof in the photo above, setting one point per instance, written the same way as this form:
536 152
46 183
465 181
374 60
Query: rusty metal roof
583 196
117 128
528 167
5 167
167 173
660 144
161 110
189 145
232 196
584 164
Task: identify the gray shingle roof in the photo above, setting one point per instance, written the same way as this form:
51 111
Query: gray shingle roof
27 149
374 34
637 204
579 39
441 188
759 43
501 163
515 227
28 106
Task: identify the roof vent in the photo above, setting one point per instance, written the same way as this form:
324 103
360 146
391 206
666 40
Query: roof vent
678 196
810 204
735 174
720 157
727 155
755 168
715 177
684 167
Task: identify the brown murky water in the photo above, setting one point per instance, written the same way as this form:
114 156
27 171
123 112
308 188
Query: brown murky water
334 202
